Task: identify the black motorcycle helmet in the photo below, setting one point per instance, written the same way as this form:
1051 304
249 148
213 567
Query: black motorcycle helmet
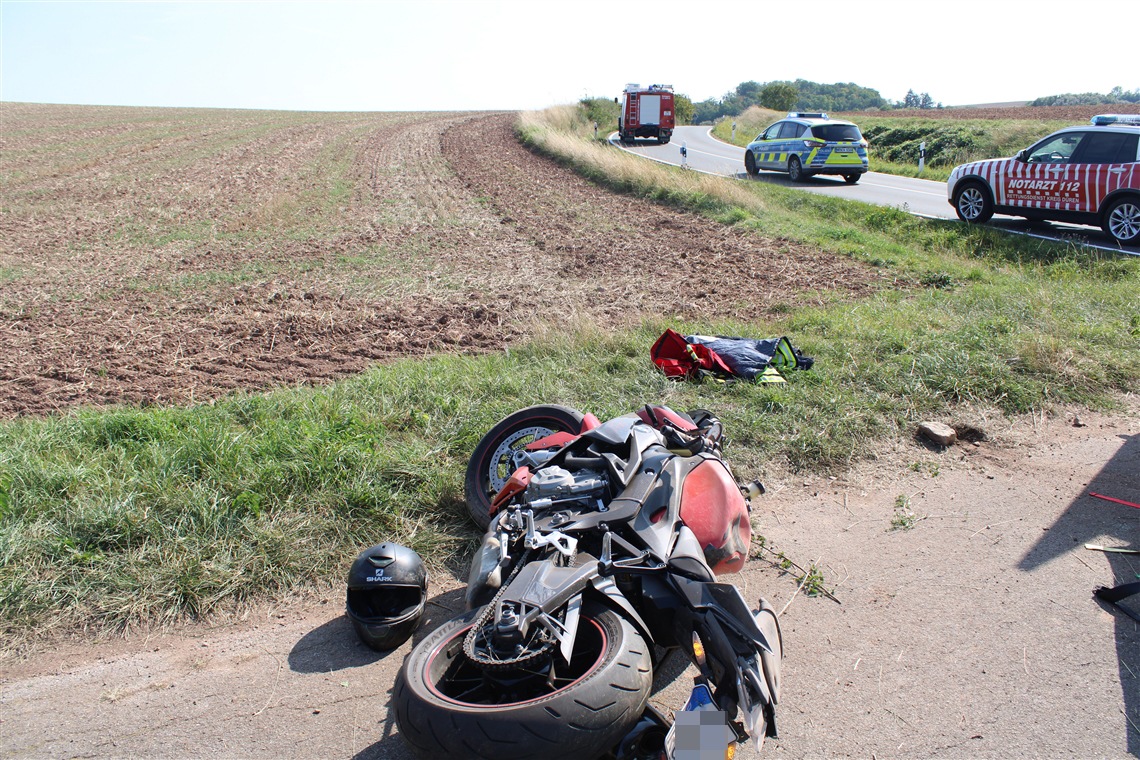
387 591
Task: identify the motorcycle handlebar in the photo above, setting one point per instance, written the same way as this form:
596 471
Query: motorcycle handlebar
715 431
678 441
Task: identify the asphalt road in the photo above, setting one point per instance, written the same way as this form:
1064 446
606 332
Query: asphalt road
917 196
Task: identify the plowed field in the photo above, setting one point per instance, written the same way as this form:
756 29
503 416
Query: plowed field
173 255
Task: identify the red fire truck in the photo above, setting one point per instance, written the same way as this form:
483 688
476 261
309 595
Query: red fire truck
647 112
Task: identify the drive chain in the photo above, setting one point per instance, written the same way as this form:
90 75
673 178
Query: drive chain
470 642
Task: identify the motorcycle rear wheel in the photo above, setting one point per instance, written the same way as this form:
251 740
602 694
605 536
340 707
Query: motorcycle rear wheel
489 466
445 708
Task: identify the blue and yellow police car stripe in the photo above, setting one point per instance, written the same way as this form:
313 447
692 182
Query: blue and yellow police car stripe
816 157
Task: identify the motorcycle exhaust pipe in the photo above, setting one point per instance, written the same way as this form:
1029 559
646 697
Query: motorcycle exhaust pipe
646 740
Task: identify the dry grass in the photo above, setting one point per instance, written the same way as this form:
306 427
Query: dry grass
554 131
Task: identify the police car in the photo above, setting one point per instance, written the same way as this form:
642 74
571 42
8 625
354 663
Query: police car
1084 175
804 144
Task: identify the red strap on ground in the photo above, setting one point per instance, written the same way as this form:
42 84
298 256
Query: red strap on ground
1118 501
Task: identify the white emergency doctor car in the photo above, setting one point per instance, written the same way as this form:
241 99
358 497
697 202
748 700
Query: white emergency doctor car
1083 175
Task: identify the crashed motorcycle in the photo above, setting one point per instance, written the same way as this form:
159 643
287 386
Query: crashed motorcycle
601 555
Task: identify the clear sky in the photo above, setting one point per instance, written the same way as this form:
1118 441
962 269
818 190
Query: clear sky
401 55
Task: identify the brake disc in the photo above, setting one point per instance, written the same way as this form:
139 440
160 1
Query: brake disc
506 449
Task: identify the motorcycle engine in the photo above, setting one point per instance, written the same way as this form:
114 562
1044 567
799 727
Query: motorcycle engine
554 486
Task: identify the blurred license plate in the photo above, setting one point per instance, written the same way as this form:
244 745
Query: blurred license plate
844 150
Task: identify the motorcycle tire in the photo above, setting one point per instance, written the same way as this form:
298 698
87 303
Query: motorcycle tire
607 688
489 466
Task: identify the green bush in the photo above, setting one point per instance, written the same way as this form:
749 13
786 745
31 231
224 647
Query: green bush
604 111
949 142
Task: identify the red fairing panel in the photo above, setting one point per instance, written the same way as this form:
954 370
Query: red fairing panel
516 484
558 440
714 509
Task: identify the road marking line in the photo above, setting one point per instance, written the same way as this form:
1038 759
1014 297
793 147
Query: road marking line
897 187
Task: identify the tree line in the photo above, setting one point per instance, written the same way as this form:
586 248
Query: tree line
803 95
1115 95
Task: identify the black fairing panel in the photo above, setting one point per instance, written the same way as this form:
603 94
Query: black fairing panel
660 535
620 442
723 600
688 558
615 432
548 586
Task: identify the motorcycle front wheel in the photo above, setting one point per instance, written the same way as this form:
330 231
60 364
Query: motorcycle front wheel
447 707
490 463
